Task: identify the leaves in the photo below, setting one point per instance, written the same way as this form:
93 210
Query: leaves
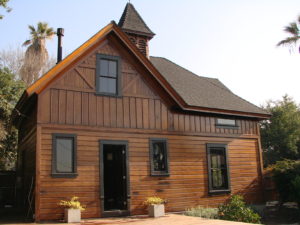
10 91
281 133
293 30
3 3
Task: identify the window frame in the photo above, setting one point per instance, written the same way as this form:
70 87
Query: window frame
212 190
159 173
118 76
228 126
54 172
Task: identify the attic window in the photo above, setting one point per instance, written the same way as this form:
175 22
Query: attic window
108 75
226 123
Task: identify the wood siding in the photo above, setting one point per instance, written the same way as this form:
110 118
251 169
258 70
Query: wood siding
185 187
70 105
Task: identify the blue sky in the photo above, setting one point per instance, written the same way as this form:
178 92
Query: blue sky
232 40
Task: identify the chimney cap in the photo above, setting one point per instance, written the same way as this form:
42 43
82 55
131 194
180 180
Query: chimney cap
60 31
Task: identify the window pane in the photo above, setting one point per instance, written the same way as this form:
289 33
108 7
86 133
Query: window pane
112 68
103 67
64 155
159 156
219 179
225 122
108 85
218 158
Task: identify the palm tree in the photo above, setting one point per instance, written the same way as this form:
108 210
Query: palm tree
36 54
294 30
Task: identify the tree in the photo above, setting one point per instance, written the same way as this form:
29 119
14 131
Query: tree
3 3
293 29
281 133
10 92
13 58
36 54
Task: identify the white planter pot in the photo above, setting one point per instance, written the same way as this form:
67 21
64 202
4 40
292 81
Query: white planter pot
72 215
156 210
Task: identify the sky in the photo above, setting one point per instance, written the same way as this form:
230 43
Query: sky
232 40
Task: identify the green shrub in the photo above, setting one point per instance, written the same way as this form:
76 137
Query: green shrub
199 211
284 174
236 210
296 189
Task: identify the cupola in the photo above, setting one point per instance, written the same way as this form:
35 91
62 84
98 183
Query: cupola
136 29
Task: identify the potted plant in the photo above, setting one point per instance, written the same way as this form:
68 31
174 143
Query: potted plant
73 210
156 207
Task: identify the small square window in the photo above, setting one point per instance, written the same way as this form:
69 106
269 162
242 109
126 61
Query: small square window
64 155
108 75
218 170
159 157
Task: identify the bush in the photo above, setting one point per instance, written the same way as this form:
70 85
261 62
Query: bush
236 210
285 175
296 189
199 211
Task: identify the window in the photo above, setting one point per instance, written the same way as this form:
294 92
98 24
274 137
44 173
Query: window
107 75
226 123
64 155
159 157
218 171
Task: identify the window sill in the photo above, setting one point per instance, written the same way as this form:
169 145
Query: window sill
108 95
219 192
64 175
159 174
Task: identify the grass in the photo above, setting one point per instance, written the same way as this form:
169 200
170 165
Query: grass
199 211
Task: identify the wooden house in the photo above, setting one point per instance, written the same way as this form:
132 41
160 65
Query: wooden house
113 126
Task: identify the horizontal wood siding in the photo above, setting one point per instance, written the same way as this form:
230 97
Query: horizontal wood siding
185 187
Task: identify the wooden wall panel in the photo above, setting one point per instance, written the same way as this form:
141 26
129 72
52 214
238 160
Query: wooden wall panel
185 187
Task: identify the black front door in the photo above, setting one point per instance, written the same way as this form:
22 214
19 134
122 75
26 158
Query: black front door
114 178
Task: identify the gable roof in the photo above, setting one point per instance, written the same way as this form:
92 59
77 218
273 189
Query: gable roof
167 74
132 22
202 91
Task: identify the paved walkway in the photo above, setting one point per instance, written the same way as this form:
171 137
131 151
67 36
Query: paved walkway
169 219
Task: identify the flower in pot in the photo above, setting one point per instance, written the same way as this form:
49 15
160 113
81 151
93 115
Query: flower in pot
156 207
73 210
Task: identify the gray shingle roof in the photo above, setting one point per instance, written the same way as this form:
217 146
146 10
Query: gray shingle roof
131 21
202 91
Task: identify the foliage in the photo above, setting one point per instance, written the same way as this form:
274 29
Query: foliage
154 201
236 210
10 91
13 58
293 29
73 203
36 54
281 133
296 188
3 3
199 211
287 179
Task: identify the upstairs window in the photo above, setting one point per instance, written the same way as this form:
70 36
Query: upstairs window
159 157
218 171
108 75
64 155
226 123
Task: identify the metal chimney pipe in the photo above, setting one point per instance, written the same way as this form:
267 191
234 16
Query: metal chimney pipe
60 33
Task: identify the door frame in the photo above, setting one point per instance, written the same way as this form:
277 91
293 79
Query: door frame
101 180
